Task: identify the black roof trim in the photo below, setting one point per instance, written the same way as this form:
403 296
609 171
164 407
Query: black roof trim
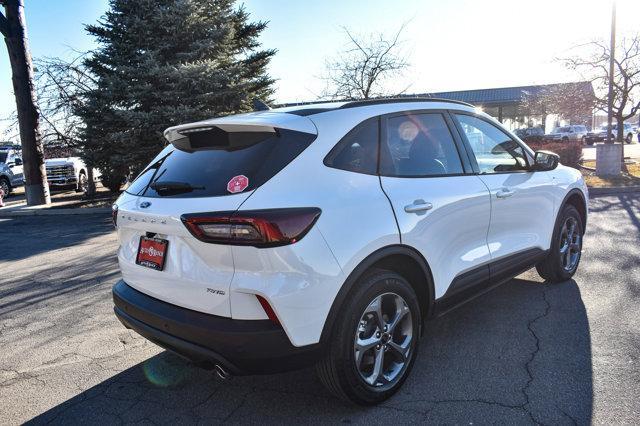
367 102
303 112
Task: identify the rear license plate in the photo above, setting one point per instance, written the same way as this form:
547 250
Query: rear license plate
152 253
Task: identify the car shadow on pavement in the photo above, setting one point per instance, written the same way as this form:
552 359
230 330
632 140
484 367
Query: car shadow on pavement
519 354
28 236
76 281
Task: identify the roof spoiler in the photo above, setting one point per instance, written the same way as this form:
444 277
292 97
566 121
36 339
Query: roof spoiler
217 136
234 131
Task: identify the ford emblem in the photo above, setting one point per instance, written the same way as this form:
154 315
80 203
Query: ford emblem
144 204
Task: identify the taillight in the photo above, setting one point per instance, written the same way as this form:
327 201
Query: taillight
114 214
258 228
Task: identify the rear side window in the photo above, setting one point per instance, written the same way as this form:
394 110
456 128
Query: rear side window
208 172
419 145
357 151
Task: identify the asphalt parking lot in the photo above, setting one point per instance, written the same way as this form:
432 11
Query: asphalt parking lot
525 353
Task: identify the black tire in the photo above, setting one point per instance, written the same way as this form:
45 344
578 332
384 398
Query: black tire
338 371
559 265
83 183
6 186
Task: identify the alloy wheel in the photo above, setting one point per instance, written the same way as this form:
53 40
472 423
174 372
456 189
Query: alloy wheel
383 339
570 244
5 187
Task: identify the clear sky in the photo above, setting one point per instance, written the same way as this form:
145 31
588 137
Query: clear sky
451 44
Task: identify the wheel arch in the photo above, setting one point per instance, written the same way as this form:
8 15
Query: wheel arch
576 198
404 260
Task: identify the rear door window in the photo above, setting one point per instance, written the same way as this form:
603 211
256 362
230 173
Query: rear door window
208 172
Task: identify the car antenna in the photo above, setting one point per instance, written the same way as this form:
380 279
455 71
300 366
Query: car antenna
260 105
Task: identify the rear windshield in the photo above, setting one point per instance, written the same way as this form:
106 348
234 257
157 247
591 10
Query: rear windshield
207 173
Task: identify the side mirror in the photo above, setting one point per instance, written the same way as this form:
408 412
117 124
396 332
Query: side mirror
18 161
545 161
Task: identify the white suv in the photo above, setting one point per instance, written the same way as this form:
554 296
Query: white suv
327 234
568 133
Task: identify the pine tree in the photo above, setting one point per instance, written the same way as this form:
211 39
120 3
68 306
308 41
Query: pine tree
162 63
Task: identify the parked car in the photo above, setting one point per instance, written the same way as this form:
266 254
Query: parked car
11 169
600 135
530 134
69 172
568 133
327 234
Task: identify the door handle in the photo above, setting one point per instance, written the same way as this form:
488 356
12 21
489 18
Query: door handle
505 193
418 206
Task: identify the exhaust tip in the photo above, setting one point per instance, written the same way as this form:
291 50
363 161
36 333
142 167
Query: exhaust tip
221 372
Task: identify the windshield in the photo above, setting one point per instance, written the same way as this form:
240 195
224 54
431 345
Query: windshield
210 172
562 130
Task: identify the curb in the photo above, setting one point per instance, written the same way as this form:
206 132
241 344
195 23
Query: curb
47 211
613 190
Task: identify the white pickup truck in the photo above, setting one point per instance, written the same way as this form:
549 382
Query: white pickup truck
69 172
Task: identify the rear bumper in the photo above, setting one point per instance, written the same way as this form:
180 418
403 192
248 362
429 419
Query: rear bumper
240 346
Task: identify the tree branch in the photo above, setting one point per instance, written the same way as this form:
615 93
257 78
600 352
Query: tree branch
360 71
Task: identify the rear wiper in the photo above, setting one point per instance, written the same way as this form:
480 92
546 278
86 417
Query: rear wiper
169 188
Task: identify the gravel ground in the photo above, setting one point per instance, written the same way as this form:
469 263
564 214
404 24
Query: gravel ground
525 353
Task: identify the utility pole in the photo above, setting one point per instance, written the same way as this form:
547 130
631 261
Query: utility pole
612 56
13 28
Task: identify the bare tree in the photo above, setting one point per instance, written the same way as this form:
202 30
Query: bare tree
573 101
364 69
13 28
61 90
593 64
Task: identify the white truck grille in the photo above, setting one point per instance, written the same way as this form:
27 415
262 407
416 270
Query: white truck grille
60 171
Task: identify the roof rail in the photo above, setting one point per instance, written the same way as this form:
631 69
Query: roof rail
355 104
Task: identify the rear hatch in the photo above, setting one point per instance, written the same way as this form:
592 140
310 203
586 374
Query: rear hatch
210 167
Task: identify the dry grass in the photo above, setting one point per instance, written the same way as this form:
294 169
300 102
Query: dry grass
630 178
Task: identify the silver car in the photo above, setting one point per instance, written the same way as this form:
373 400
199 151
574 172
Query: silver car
11 174
568 133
